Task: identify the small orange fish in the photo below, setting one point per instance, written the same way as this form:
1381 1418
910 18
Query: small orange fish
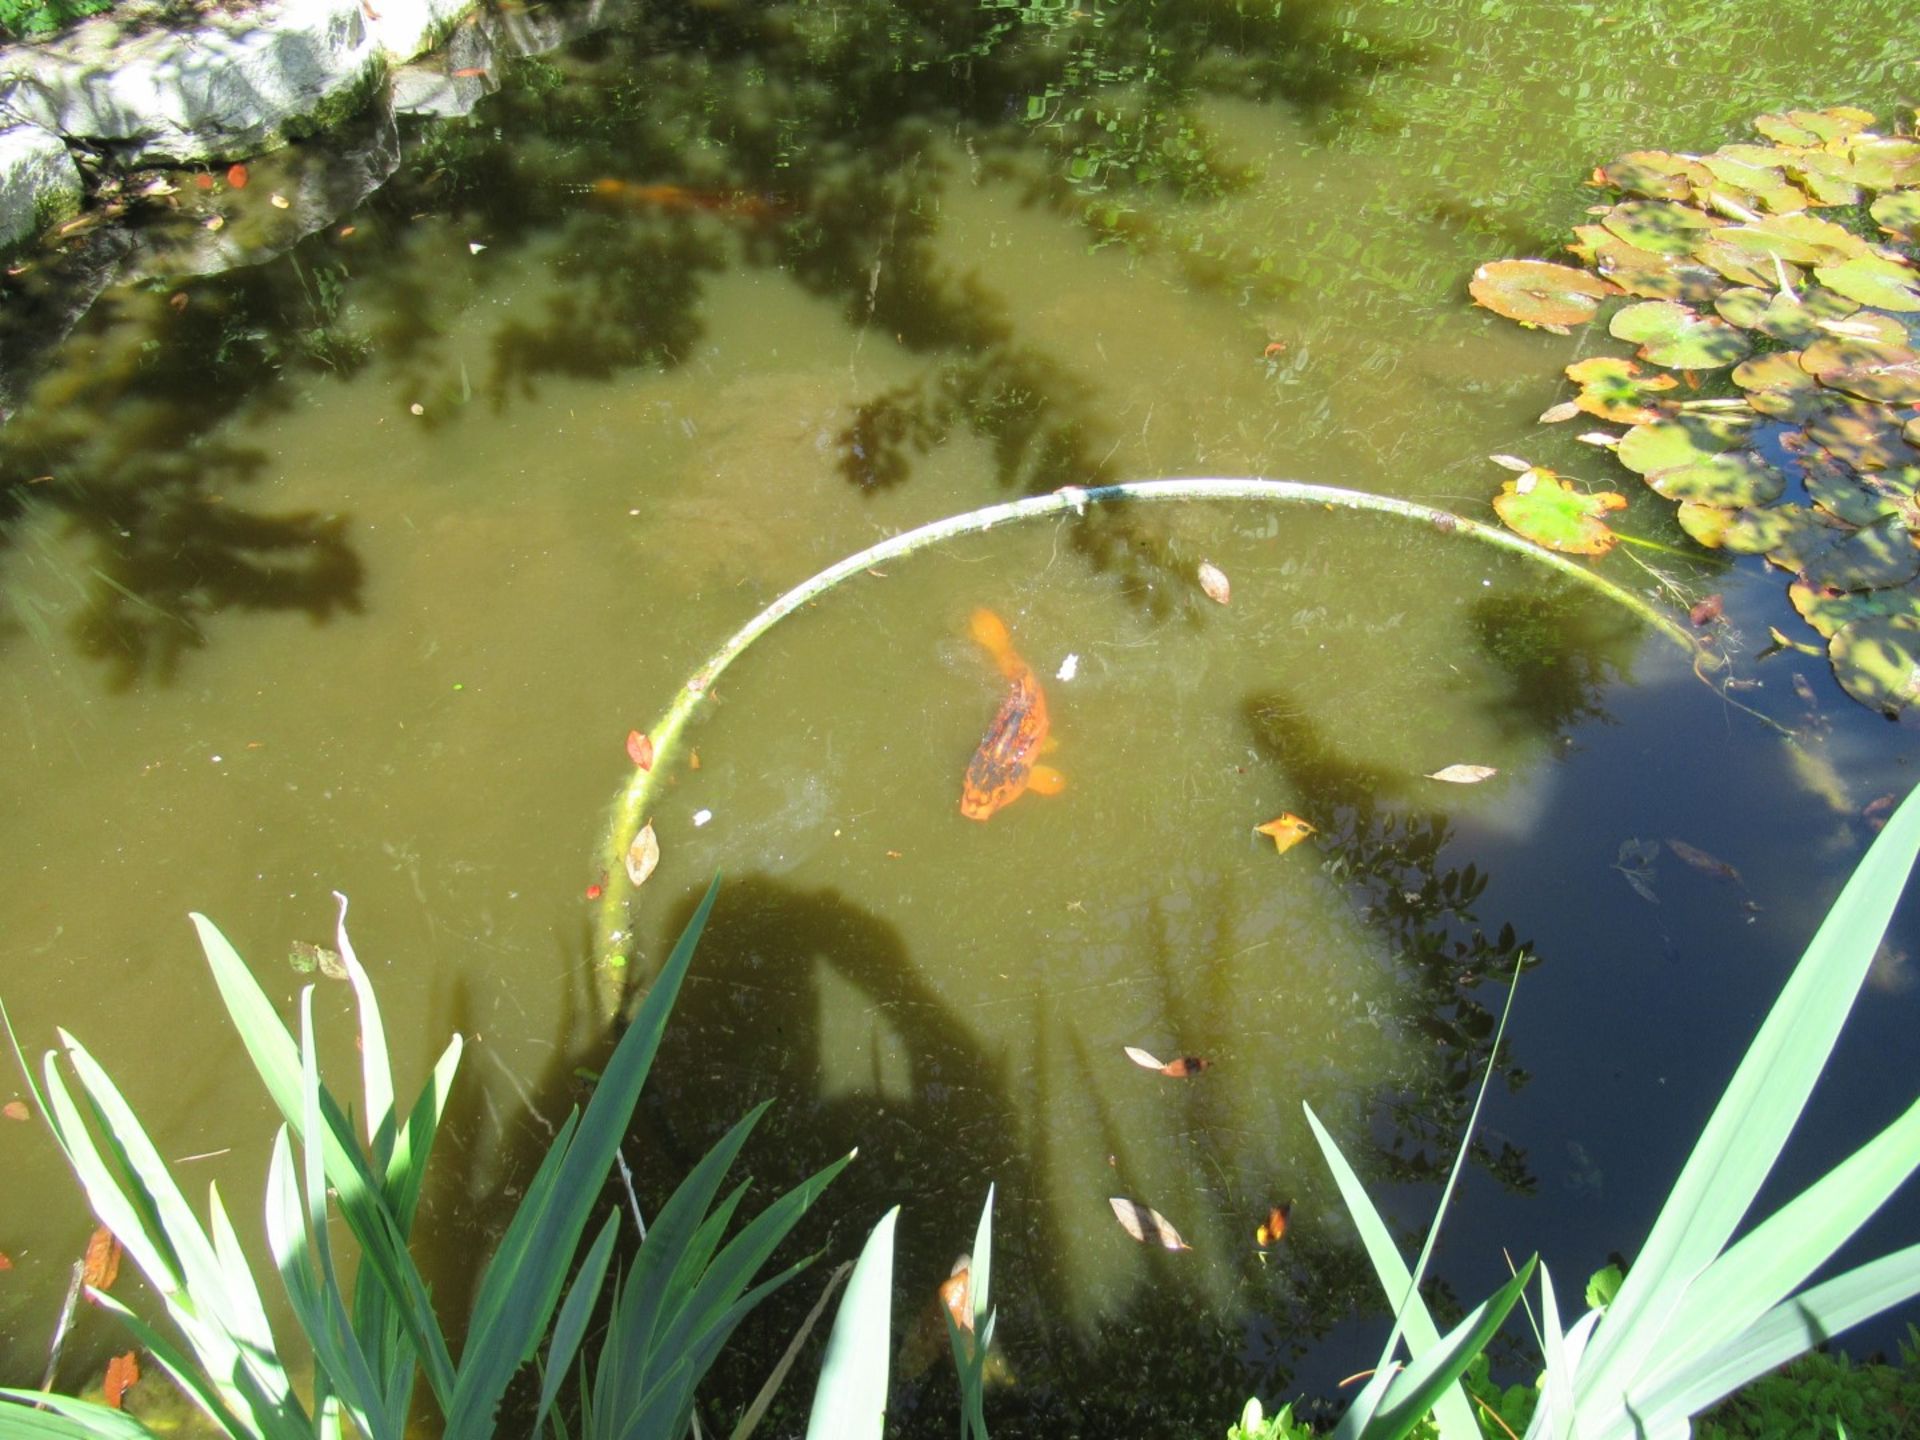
1276 1225
1002 769
681 198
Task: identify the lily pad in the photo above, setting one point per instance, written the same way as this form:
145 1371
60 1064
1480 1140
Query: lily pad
1864 435
1789 317
1876 659
1831 611
1889 374
1813 127
1656 174
1752 179
1662 226
1694 457
1882 162
1745 532
1776 386
1548 511
1874 280
1799 239
1537 292
1874 557
1826 177
1852 497
1898 214
1612 388
1679 337
1746 266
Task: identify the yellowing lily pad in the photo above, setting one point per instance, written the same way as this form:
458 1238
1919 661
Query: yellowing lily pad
1875 557
1662 226
1777 386
1898 214
1864 435
1876 659
1831 611
1813 127
1799 239
1889 374
1694 457
1613 388
1548 511
1656 174
1872 280
1791 317
1883 162
1745 532
1679 337
1536 292
1644 272
1852 497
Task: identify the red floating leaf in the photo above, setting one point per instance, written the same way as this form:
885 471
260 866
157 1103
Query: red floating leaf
1186 1065
102 1265
237 176
6 1261
203 182
640 749
1275 1225
1706 612
122 1373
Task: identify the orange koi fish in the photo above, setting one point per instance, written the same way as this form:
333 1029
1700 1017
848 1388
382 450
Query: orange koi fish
679 197
1002 769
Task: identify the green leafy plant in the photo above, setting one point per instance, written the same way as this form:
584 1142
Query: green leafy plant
1697 1317
671 1313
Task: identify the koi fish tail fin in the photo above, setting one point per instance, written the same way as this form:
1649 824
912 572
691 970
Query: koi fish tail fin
990 631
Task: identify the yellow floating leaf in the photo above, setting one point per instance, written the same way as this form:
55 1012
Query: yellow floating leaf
1287 830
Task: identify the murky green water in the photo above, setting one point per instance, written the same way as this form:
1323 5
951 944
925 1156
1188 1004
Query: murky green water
353 570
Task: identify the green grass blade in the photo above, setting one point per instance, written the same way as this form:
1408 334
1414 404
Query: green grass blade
575 1311
65 1418
1556 1398
519 1299
850 1401
1415 1391
375 1069
413 1146
1749 1126
1789 1328
1768 1262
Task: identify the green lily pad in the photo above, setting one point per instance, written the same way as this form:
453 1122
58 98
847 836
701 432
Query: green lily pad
1882 162
1778 387
1852 497
1790 317
1863 435
1898 214
1662 226
1745 532
1889 374
1874 557
1798 239
1876 659
1656 174
1874 280
1537 292
1831 611
1826 177
1813 127
1548 511
1679 337
1612 388
1694 457
1754 175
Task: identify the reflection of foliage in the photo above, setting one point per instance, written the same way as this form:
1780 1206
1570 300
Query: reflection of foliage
1556 651
1390 864
1770 259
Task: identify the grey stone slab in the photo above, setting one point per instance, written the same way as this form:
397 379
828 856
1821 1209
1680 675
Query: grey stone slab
39 183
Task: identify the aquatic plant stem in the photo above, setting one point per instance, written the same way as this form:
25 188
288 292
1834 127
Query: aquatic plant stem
612 928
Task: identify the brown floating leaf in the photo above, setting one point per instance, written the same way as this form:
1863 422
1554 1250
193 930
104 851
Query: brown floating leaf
122 1372
640 749
1536 292
102 1265
1275 1225
1511 462
1146 1226
956 1293
15 1110
1554 414
642 855
1144 1060
237 176
1287 830
1213 580
1463 774
1701 860
1186 1065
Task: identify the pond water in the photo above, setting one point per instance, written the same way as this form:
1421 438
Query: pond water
352 570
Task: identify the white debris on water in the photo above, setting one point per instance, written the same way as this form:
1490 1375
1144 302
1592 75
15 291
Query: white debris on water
1069 668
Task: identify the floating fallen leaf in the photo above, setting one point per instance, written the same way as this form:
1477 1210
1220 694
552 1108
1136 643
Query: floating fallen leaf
1605 439
1287 830
642 855
1069 667
1511 462
279 201
6 1261
237 176
1274 347
1213 580
1701 860
1146 1226
1275 1225
305 958
1875 814
693 759
122 1373
1707 611
640 749
216 222
178 300
1554 414
1141 1058
1186 1065
474 247
1463 774
1635 861
15 1110
102 1265
956 1293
